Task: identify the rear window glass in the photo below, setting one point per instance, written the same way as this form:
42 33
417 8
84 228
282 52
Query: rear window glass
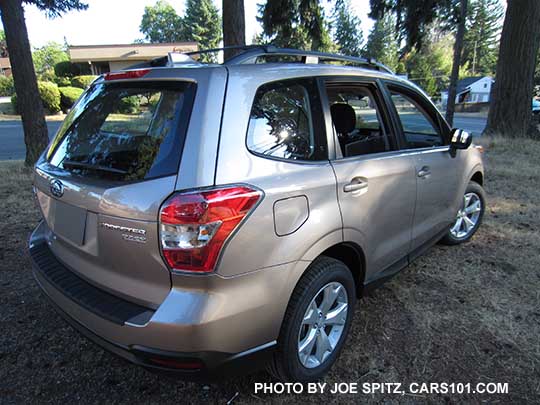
125 132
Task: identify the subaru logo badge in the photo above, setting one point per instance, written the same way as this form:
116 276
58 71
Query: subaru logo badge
57 188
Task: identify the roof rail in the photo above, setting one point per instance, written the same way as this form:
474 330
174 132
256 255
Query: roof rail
251 55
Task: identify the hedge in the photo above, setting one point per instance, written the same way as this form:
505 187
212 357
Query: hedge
6 86
82 82
68 96
50 97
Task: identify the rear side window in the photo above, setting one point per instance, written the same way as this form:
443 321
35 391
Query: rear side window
286 122
125 132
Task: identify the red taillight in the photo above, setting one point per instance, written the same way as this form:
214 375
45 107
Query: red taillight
194 226
130 74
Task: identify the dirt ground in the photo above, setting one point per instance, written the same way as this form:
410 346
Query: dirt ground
460 314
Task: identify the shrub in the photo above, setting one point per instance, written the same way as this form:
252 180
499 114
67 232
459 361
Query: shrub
68 96
67 69
82 82
6 86
62 81
50 97
129 105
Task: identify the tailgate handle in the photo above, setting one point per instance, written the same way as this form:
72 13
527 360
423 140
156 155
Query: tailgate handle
358 183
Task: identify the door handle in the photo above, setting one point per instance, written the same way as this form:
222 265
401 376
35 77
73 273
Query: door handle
355 185
424 172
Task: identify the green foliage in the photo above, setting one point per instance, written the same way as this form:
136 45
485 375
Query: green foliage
430 67
55 8
129 105
6 86
347 29
62 81
382 43
481 44
413 17
66 69
203 25
68 96
46 57
295 24
49 95
82 82
160 23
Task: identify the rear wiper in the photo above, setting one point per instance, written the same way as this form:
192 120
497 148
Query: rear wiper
89 166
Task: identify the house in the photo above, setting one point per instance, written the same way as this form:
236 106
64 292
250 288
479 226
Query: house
98 59
5 67
471 90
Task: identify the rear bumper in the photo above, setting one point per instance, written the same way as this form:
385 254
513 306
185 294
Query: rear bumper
160 339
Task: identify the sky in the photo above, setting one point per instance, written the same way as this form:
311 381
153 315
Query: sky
117 21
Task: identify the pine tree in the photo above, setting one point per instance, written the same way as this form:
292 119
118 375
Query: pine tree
382 43
484 26
431 66
203 25
295 24
348 34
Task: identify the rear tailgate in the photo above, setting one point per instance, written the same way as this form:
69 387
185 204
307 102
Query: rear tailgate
101 184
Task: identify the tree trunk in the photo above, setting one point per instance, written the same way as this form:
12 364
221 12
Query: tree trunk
510 112
24 77
454 77
234 26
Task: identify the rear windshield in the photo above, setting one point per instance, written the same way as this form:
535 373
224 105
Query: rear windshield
125 131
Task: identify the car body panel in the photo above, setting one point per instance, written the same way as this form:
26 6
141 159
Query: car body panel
303 212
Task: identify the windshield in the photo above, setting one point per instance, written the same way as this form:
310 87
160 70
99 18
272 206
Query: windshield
125 131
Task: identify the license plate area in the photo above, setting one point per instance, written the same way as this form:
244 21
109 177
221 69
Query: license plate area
65 220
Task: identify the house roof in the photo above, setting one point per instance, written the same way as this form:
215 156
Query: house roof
464 83
123 52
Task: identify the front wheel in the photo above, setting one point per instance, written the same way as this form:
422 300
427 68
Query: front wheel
469 216
316 322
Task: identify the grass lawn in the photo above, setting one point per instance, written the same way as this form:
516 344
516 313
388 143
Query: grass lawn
459 314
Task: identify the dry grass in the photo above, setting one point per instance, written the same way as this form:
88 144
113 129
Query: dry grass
459 314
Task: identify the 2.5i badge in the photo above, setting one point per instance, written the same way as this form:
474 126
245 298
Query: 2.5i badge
129 234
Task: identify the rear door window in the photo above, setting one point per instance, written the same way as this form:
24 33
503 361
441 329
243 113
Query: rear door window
125 131
286 122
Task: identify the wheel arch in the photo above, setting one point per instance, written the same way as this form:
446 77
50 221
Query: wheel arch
352 255
478 177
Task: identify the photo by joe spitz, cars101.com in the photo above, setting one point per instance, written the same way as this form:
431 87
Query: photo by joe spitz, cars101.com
232 222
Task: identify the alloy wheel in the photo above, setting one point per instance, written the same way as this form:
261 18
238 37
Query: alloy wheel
467 216
323 324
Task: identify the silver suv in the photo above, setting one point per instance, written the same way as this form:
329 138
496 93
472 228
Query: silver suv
214 219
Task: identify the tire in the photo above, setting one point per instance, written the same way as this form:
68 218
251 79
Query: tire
454 237
325 274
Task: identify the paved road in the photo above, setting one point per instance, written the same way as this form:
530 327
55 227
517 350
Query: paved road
12 135
12 138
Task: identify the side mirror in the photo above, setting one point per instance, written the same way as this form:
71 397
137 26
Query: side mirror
460 139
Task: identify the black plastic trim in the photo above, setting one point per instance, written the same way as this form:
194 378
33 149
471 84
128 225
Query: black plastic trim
95 300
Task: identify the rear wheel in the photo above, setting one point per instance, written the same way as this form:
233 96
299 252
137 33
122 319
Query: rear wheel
316 322
469 216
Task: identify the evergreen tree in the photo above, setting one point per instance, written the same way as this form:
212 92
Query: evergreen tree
484 26
203 25
348 34
295 24
431 66
382 43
